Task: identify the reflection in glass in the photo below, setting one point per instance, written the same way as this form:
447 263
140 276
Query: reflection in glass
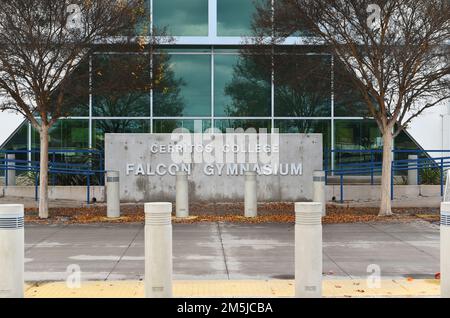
121 85
167 98
348 100
102 127
357 135
167 126
234 17
405 142
242 87
302 86
76 94
66 134
188 90
181 17
18 140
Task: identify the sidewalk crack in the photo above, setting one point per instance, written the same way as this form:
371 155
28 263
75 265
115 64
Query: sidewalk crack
123 254
219 231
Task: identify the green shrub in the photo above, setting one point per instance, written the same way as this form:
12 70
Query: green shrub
431 176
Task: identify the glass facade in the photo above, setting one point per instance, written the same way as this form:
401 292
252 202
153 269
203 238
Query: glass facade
181 17
121 85
242 88
234 17
188 90
209 82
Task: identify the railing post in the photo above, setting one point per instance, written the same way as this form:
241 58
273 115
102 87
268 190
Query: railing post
371 167
392 180
442 177
36 186
12 251
158 250
88 195
51 165
308 250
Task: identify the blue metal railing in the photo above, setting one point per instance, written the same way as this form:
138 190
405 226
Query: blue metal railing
372 167
55 167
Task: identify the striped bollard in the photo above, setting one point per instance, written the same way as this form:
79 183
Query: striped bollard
158 250
308 250
11 170
445 249
251 195
12 251
182 195
113 194
320 190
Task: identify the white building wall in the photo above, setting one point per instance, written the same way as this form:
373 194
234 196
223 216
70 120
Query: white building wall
432 129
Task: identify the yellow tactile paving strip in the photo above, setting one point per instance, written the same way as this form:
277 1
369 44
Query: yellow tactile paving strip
242 288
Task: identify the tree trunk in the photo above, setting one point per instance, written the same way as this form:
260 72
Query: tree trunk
43 174
386 204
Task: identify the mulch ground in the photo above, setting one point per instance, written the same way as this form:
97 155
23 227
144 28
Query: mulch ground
231 213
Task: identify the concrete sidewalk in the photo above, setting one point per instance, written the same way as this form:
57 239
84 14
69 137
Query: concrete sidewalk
230 289
222 251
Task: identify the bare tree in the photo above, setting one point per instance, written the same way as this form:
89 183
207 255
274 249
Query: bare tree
396 51
44 45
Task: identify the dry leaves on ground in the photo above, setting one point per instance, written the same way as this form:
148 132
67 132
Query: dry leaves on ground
231 213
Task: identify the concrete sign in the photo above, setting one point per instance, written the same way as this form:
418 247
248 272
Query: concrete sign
215 164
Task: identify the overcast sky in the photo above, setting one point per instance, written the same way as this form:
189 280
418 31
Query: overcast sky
8 123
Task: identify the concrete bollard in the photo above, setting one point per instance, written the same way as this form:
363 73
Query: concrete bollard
182 195
251 195
11 172
319 190
113 194
308 250
445 250
158 250
12 251
412 174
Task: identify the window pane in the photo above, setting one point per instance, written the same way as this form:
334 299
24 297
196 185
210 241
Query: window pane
242 87
303 86
121 85
234 17
168 126
245 124
66 134
101 127
349 101
76 99
357 135
405 142
181 17
187 89
19 139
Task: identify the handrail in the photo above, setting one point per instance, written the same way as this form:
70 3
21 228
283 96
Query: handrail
371 167
54 167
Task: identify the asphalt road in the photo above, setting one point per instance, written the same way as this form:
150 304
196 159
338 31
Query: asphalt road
229 251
